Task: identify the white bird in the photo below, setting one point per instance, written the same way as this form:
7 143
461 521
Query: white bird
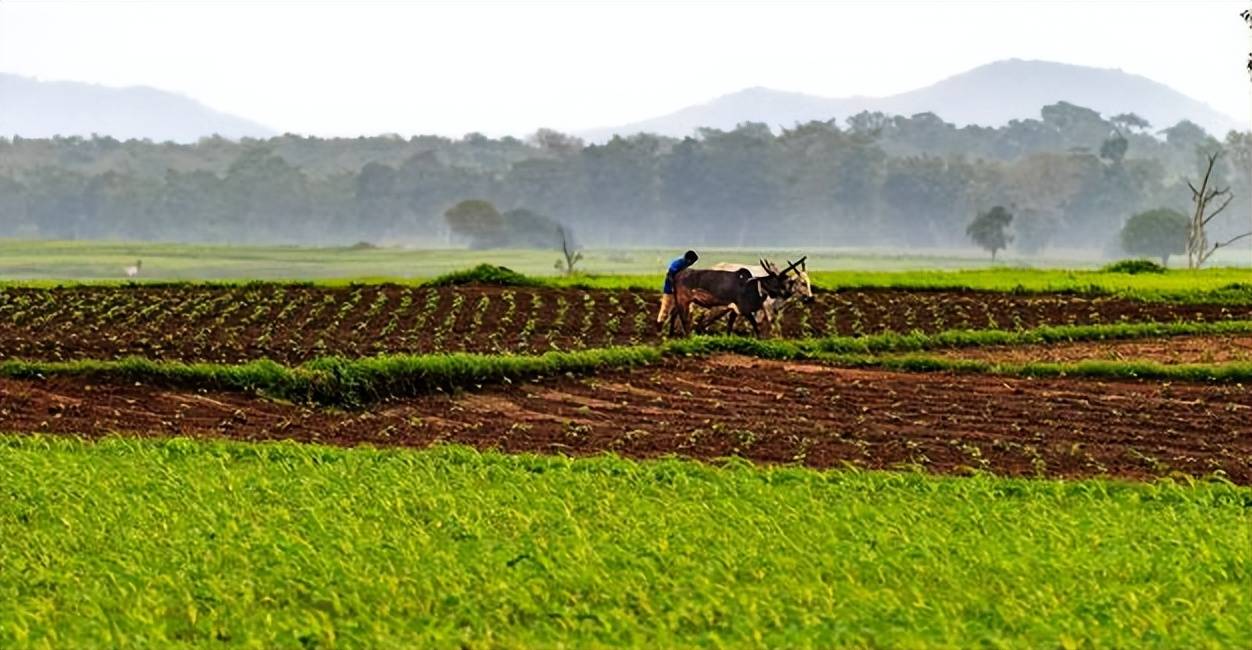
133 271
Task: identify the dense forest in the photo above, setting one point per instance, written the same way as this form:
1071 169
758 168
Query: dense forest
1071 179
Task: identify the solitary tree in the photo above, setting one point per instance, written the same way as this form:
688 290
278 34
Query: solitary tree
571 255
990 230
1159 233
478 221
1198 250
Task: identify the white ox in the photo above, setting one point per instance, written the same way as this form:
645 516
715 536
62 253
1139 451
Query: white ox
798 289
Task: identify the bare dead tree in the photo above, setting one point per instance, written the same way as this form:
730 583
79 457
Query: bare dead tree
572 256
1198 250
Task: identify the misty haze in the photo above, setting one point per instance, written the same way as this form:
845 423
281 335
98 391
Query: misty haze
786 172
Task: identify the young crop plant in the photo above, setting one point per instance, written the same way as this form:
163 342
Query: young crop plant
480 311
376 307
510 308
347 306
588 315
803 326
856 320
446 325
430 307
562 308
476 320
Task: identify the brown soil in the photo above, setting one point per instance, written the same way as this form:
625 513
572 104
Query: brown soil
294 323
1170 350
767 411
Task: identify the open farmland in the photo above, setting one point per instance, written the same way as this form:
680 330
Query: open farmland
767 411
956 434
295 323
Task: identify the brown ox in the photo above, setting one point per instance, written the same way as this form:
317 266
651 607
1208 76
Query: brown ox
742 293
796 284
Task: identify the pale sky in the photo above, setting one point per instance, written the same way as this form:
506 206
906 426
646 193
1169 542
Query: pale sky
353 68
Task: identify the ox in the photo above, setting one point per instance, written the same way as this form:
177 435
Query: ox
740 292
797 288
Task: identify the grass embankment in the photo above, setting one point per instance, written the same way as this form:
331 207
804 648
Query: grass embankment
353 382
179 543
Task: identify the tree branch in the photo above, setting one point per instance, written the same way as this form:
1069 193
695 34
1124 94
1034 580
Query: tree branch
1214 193
1218 211
1225 243
1194 191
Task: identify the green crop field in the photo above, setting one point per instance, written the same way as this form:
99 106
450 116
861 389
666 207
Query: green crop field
178 543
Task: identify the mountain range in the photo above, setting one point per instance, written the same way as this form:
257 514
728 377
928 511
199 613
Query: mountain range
40 109
989 95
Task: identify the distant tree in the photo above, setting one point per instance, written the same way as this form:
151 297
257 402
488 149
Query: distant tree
1159 233
556 142
571 256
990 230
477 221
527 229
1113 149
867 123
1186 135
1130 122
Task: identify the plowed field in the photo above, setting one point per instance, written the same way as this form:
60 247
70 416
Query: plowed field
766 411
295 323
1174 349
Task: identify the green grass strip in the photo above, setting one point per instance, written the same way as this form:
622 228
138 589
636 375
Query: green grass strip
917 341
353 382
1231 372
181 543
338 381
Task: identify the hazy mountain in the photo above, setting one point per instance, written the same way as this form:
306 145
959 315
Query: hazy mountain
39 109
989 95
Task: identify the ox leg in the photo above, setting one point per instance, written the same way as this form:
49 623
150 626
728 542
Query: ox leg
730 322
756 327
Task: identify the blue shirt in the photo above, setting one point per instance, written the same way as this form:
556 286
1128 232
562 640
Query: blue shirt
674 267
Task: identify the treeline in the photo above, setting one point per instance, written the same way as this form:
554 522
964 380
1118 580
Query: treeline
1071 178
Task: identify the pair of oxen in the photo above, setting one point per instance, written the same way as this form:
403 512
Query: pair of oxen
757 293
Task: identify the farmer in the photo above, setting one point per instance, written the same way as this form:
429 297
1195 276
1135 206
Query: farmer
667 292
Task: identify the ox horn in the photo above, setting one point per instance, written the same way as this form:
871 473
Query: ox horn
791 265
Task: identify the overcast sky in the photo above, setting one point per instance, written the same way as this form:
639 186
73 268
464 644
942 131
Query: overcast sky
352 68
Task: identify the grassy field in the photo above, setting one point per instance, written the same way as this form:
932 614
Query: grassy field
178 543
50 263
79 260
